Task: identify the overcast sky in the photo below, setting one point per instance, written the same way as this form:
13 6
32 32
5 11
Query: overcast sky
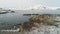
27 3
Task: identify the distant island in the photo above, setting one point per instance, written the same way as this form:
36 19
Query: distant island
58 9
4 11
29 14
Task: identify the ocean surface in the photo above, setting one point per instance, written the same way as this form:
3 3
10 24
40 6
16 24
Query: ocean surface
18 17
7 21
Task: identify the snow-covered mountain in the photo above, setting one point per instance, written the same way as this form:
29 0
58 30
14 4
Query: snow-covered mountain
35 7
39 7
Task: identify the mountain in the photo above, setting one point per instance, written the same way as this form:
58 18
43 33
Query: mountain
38 7
58 9
35 7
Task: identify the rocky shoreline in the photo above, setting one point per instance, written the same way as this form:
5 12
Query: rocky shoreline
38 21
39 24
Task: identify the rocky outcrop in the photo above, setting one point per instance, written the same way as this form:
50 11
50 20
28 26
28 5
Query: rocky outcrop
37 21
44 18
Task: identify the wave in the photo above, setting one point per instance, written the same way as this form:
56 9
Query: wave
16 30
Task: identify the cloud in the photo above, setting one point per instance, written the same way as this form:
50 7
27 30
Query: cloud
25 0
15 3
